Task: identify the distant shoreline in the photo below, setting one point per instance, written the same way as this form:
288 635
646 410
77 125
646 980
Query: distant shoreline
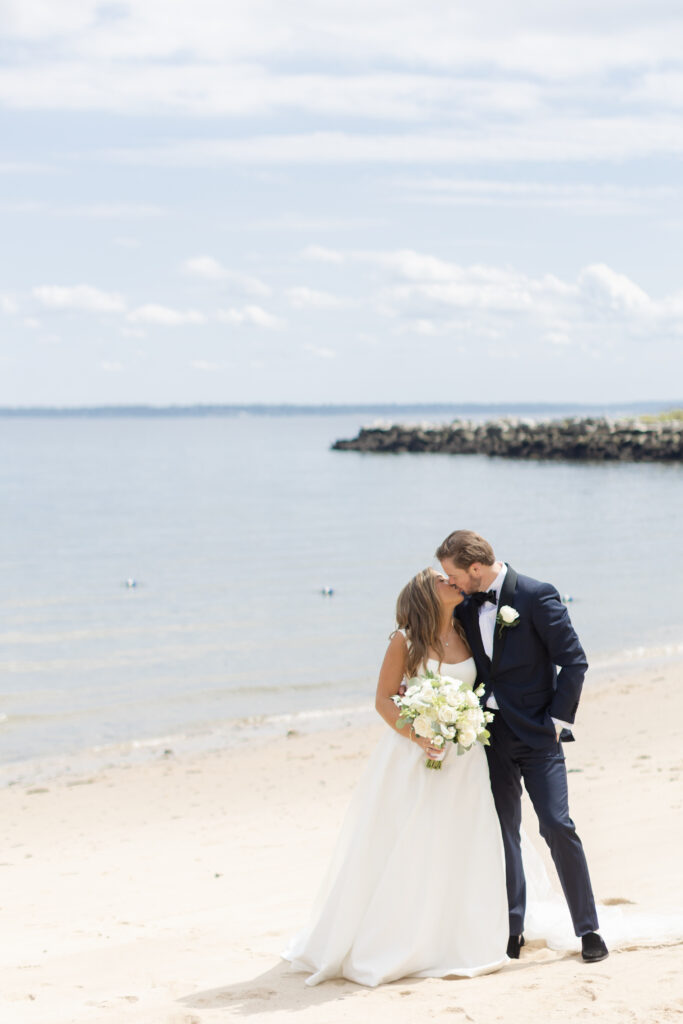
379 408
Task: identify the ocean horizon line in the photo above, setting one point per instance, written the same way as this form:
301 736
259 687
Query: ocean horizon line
331 408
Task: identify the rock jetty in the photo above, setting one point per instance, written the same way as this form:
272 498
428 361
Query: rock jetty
659 440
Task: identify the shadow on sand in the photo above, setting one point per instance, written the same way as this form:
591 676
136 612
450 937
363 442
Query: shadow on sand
281 988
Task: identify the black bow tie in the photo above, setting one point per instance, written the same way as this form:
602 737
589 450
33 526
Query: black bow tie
482 596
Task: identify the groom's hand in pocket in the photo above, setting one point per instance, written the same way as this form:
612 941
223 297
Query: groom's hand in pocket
561 727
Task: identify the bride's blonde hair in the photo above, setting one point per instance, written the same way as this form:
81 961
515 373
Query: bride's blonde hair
418 613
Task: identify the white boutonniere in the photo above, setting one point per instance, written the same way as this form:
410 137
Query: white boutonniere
506 618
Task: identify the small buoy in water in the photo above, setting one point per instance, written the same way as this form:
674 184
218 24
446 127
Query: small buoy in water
327 591
130 583
567 599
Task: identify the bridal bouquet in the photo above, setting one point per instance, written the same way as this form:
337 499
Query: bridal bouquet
443 710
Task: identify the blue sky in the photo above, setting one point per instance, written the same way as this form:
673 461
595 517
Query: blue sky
340 201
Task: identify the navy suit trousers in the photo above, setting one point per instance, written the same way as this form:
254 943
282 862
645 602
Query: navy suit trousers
545 779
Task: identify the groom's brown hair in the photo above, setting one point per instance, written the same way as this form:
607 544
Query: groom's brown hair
464 547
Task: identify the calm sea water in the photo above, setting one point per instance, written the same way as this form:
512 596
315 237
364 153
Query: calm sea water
232 526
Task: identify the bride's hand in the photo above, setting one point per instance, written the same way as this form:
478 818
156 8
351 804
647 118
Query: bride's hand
427 745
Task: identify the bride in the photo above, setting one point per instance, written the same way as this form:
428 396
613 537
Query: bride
416 886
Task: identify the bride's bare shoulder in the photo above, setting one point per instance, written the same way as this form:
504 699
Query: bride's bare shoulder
398 641
398 645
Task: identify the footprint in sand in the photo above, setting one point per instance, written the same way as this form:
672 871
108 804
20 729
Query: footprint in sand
259 993
617 901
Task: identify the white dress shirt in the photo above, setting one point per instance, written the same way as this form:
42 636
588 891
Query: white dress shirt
487 628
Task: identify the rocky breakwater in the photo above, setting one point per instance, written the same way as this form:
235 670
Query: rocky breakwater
651 440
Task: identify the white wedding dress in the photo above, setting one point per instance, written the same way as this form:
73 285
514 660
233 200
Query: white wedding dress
416 886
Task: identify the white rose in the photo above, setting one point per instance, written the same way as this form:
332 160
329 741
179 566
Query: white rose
423 726
471 699
438 741
508 614
448 715
448 731
412 690
466 738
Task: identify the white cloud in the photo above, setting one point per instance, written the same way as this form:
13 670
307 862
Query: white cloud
111 367
519 81
415 266
8 305
205 266
423 294
557 338
663 88
557 139
320 352
317 111
320 254
426 327
37 19
208 367
526 36
24 167
309 298
165 316
111 211
608 289
210 269
241 90
90 211
587 198
302 222
436 281
253 315
79 297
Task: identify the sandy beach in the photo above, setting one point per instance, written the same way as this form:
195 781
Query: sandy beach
162 893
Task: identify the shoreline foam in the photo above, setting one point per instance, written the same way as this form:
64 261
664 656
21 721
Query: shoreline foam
260 730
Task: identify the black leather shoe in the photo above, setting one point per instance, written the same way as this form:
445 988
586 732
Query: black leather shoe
593 948
515 943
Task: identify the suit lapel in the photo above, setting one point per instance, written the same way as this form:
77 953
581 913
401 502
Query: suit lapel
507 594
474 636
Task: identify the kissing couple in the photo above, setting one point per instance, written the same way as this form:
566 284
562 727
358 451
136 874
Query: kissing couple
427 879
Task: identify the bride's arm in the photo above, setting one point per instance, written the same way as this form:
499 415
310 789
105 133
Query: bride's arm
390 678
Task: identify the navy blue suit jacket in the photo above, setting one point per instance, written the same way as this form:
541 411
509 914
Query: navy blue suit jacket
522 674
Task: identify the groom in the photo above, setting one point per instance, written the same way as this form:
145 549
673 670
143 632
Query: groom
519 631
